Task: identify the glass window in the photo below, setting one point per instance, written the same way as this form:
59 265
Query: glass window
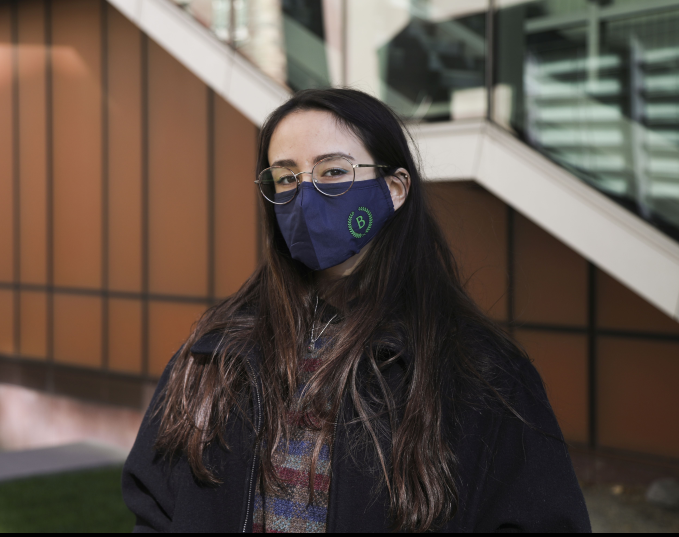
425 58
595 87
434 69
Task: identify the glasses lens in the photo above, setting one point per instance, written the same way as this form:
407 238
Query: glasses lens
278 185
333 176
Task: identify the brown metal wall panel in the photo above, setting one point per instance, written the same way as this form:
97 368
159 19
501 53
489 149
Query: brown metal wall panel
77 330
33 141
33 324
550 278
125 146
6 321
178 227
561 360
638 396
6 147
169 326
475 224
124 353
620 308
236 224
76 60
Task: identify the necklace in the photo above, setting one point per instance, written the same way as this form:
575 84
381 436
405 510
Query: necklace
312 345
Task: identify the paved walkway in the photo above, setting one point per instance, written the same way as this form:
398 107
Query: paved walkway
66 458
625 510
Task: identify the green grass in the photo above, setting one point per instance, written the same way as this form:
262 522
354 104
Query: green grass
88 501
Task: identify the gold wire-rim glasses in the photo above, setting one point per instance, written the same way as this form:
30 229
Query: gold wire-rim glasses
260 181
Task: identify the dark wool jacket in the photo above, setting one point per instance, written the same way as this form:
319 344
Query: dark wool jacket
512 477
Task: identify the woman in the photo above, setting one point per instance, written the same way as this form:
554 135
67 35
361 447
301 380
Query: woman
351 384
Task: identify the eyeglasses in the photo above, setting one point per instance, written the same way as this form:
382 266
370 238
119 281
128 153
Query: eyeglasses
332 176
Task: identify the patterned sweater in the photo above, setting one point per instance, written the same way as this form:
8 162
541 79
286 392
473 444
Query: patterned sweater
286 511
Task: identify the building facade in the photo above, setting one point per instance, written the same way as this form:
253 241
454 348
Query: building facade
128 135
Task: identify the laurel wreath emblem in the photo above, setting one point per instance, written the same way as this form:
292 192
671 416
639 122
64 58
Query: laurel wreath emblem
370 223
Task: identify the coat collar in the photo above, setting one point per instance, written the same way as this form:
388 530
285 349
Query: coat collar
209 343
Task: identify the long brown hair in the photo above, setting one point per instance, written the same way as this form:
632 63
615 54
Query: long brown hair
403 305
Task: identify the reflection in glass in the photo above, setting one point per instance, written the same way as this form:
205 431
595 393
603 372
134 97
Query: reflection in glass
284 38
425 58
435 70
598 92
305 51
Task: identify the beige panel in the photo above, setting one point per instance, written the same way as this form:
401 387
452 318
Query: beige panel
6 321
169 326
77 143
77 330
125 168
34 324
124 336
236 221
561 360
638 400
475 224
178 177
6 147
550 278
33 142
622 309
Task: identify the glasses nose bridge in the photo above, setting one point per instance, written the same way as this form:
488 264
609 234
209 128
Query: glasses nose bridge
304 173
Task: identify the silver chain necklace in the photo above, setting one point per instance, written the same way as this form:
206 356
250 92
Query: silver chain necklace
312 345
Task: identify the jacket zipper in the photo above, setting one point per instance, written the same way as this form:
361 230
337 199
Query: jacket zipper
254 459
333 474
258 429
334 428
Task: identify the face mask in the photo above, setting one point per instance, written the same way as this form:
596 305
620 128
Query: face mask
323 231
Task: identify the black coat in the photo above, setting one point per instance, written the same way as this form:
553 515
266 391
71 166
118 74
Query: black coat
512 477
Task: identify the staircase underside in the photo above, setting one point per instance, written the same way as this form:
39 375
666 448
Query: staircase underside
611 237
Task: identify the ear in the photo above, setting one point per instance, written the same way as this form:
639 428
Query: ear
399 186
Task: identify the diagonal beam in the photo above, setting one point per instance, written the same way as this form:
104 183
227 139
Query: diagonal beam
611 237
221 68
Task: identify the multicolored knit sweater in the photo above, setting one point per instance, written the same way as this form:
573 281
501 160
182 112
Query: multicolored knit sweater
287 510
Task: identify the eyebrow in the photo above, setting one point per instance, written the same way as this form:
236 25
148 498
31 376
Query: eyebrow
288 163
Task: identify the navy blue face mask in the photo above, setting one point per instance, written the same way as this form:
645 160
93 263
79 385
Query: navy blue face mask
323 231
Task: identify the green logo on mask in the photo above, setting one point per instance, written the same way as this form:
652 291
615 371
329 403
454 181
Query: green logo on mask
360 223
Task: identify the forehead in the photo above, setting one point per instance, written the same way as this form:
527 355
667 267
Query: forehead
304 134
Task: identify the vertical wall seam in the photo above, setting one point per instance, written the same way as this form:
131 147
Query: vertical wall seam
211 164
592 354
511 269
49 180
144 50
16 178
345 43
104 187
490 56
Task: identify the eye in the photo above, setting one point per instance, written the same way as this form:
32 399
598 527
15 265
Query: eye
285 180
334 172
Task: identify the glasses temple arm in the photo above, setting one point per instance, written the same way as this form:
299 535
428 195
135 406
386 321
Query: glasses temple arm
371 166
